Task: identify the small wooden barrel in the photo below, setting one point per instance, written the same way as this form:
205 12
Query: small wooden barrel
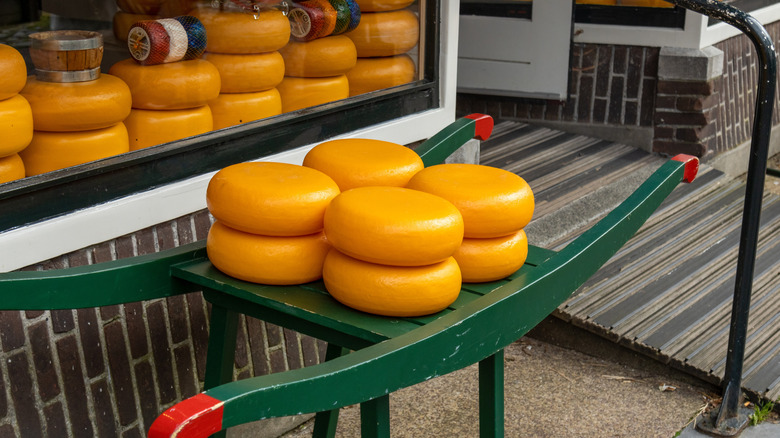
66 51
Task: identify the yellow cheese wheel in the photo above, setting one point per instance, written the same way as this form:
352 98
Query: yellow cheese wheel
356 162
385 33
50 151
77 106
150 127
330 56
14 70
11 168
266 259
123 21
247 73
273 199
238 32
393 226
174 85
16 125
234 109
491 259
371 74
148 7
175 8
494 202
382 5
391 290
298 93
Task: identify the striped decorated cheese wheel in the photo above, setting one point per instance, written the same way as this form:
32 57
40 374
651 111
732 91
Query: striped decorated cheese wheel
16 125
166 40
482 260
329 56
247 73
177 85
237 32
77 106
385 33
14 70
312 19
391 290
357 162
123 21
266 259
50 151
371 74
152 127
299 93
272 199
11 168
236 108
393 226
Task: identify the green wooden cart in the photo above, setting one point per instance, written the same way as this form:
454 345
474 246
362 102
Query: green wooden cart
368 356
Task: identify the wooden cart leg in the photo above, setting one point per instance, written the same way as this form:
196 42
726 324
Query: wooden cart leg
221 350
375 418
325 422
491 396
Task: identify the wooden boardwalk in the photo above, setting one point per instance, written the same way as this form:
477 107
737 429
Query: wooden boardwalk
668 292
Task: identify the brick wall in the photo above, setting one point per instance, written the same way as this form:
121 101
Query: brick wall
108 372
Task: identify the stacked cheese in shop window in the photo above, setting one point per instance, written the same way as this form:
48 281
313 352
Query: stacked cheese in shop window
130 12
244 47
319 55
77 111
170 85
388 30
16 124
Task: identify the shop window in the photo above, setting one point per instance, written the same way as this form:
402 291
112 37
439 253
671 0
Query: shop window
163 105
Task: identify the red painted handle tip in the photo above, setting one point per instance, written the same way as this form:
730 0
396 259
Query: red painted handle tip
484 126
197 416
691 166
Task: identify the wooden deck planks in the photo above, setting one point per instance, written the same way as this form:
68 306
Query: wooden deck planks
668 292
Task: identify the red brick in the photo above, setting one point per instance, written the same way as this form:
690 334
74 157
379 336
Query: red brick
241 354
3 399
256 329
615 109
600 110
177 318
6 430
630 114
686 88
674 148
105 419
667 101
697 134
293 349
165 236
682 119
146 393
89 329
136 329
161 351
133 433
663 132
124 247
274 333
32 314
199 330
202 221
55 421
74 386
184 230
12 334
619 59
309 350
634 72
584 103
185 370
603 71
21 391
145 241
48 383
121 378
278 361
62 321
646 105
697 103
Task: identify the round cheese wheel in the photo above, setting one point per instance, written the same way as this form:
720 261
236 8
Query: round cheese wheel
391 290
330 56
77 106
14 71
11 168
152 127
371 74
234 109
123 21
238 32
298 93
176 85
247 73
494 202
482 260
266 259
148 7
356 162
173 8
50 151
273 199
16 125
385 33
393 226
383 5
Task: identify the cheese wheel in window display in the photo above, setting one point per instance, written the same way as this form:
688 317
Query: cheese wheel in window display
322 57
298 93
371 74
11 168
491 259
175 85
146 7
247 73
239 32
152 127
50 151
385 33
16 125
77 106
230 109
123 21
383 5
14 71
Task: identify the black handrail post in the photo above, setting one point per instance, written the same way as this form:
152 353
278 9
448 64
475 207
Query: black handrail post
730 419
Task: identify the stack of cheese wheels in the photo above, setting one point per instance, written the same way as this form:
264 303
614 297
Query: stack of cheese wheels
496 205
130 12
393 251
16 122
269 222
245 50
387 31
357 162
